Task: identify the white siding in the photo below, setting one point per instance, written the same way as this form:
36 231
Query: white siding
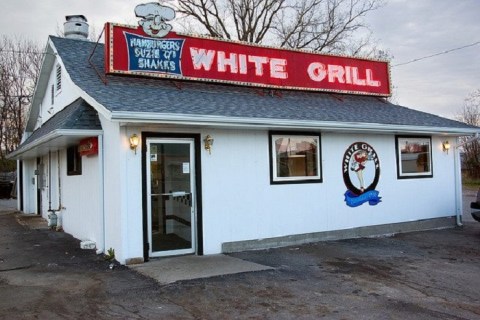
122 183
29 186
240 204
81 213
62 98
75 199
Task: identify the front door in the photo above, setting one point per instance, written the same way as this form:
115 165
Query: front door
170 196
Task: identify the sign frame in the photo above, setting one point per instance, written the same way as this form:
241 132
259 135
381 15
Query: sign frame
214 60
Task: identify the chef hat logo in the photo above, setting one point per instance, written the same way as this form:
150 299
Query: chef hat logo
154 17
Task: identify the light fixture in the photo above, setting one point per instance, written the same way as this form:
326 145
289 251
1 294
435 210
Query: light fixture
134 142
446 146
208 141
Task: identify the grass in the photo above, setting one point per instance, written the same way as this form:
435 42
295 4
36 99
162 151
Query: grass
470 183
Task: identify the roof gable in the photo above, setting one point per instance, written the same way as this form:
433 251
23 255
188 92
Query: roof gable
77 120
41 87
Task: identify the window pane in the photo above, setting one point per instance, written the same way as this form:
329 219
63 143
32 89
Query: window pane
415 156
295 158
74 161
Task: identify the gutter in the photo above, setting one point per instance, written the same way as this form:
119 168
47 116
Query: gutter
237 122
61 133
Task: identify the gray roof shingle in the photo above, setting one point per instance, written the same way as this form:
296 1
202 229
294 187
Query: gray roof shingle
78 115
162 96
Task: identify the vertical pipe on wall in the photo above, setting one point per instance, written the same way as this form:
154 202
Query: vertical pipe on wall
458 184
59 224
49 181
102 193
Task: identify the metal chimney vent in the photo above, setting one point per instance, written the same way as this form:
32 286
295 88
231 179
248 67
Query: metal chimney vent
76 27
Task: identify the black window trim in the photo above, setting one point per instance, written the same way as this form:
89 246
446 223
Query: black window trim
295 133
398 158
77 169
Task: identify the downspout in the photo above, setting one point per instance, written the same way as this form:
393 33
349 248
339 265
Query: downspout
102 192
458 178
53 216
60 207
458 185
49 182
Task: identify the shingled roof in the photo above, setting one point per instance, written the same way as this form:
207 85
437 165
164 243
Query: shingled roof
76 116
75 121
143 97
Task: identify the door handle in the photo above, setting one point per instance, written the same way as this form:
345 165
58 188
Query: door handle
173 194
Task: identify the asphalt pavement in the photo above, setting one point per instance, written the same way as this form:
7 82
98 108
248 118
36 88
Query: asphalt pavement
422 275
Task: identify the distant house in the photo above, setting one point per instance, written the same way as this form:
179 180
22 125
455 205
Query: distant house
175 164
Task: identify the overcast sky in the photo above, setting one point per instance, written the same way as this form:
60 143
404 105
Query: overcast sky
408 29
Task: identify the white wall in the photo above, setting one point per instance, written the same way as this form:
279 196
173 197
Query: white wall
132 172
29 185
62 98
123 193
76 199
240 204
81 213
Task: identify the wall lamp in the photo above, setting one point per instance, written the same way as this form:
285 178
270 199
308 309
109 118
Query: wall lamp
208 141
134 140
445 146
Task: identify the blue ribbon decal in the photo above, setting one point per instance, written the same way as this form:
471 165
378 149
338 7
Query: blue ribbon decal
353 200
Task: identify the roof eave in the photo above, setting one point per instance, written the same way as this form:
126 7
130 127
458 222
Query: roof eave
267 123
41 86
53 141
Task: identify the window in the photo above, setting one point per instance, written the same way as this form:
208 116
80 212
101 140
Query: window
74 161
295 157
414 157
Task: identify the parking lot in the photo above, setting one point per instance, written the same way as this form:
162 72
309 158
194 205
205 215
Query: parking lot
422 275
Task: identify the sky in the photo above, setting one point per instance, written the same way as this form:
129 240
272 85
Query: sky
407 29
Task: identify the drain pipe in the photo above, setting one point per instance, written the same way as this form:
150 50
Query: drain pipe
458 177
458 185
53 217
101 175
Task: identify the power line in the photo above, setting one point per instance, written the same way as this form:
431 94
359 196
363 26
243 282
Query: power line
437 54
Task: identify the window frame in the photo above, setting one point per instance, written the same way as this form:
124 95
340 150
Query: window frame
74 168
402 139
274 178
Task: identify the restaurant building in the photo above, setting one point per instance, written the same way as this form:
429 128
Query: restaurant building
159 143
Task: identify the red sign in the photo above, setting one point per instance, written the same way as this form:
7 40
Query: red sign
88 146
130 51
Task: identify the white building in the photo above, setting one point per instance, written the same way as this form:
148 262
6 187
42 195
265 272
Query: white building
284 166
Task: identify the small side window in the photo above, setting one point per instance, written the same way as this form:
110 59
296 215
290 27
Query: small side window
295 157
74 161
414 157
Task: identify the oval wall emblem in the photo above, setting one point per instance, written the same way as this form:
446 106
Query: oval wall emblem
361 172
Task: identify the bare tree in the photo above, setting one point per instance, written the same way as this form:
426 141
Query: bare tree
470 114
330 26
20 63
